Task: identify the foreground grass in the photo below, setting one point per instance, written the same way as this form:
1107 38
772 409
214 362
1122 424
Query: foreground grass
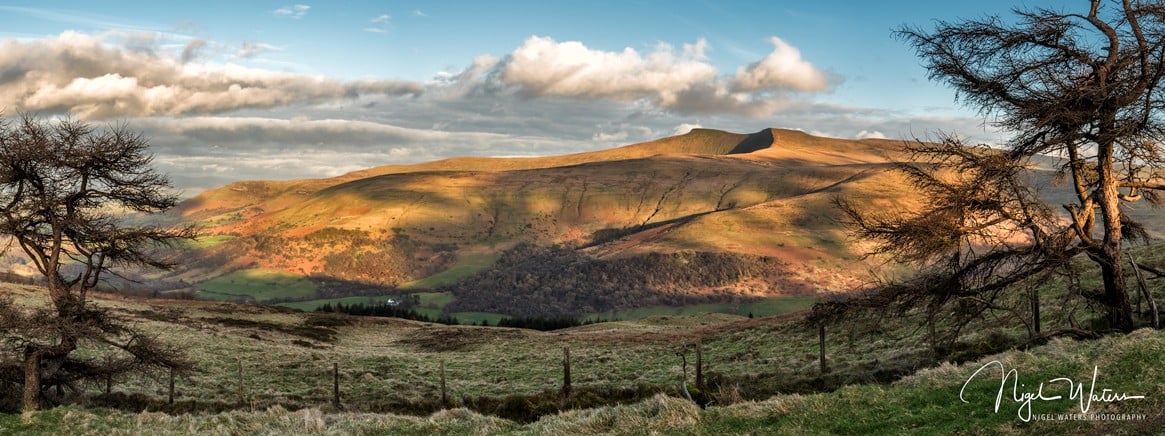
925 403
286 357
267 370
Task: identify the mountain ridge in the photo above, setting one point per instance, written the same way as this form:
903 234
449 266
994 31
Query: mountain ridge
764 195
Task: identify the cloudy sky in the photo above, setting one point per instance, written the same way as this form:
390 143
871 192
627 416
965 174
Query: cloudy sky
280 90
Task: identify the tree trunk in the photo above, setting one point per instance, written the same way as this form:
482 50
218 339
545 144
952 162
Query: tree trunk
31 380
1116 299
1035 305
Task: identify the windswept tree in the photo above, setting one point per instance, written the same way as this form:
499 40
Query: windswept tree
65 187
983 232
1085 87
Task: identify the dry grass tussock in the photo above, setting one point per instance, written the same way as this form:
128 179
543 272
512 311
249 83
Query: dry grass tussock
275 421
659 414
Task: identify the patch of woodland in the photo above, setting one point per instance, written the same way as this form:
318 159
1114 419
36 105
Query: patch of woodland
559 282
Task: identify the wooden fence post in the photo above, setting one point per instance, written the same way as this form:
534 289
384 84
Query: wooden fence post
336 385
683 353
242 387
108 377
1035 306
821 344
444 393
565 372
699 367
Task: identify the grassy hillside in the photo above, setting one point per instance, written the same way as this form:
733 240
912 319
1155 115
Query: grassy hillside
422 226
926 403
763 375
766 196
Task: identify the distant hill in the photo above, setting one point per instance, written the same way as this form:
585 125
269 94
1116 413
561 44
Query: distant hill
760 197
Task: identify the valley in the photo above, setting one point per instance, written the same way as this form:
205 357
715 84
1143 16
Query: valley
760 204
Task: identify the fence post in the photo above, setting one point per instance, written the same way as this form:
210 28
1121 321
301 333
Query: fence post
171 386
108 377
336 385
821 345
242 386
699 367
565 372
1035 306
444 393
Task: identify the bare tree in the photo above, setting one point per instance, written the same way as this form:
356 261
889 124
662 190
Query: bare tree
983 232
65 187
1086 87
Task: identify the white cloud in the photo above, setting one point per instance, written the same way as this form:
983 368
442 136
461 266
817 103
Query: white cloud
543 66
210 124
419 13
870 134
782 69
678 80
295 11
456 85
304 131
685 128
79 74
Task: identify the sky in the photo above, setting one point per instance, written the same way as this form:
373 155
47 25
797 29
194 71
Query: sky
245 90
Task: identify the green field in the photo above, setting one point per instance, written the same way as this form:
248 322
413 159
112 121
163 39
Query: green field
206 241
256 284
436 300
477 317
466 266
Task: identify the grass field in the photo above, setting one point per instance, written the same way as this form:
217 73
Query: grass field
287 386
256 285
466 266
477 317
926 403
206 241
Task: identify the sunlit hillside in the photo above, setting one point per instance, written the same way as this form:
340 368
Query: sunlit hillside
765 195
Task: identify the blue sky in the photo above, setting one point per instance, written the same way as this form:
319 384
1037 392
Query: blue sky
276 90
